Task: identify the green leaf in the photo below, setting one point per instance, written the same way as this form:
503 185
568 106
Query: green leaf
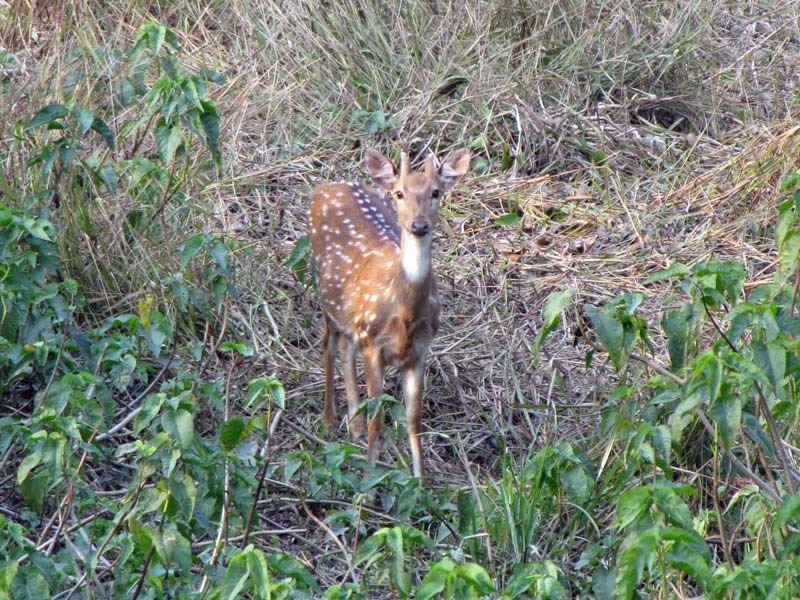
155 36
209 119
84 117
771 358
179 424
236 576
610 333
675 270
789 510
46 115
556 302
636 551
792 180
288 565
675 509
477 577
190 93
191 247
677 327
28 463
151 405
632 504
8 571
577 484
168 139
689 560
259 572
511 218
233 431
219 252
435 580
662 442
108 175
298 260
401 579
101 127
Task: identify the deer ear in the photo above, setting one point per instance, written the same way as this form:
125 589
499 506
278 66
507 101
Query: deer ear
454 168
382 170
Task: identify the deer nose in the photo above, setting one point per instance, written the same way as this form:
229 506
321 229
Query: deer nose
420 227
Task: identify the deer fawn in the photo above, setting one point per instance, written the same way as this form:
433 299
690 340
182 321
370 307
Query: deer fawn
377 290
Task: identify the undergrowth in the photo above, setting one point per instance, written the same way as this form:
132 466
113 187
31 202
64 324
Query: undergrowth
158 372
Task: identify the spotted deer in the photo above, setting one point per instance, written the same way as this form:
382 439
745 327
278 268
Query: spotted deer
372 250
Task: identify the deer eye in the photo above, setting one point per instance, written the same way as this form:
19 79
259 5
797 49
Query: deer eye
398 194
435 193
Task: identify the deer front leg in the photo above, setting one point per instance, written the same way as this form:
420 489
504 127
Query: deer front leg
373 369
413 381
329 357
347 353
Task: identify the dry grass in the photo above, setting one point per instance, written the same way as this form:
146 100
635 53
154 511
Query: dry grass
637 135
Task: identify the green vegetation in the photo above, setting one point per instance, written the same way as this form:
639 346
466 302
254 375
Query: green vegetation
612 403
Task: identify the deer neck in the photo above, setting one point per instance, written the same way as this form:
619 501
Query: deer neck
415 259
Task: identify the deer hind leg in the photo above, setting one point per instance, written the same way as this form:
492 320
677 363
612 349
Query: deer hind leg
373 368
413 381
347 352
329 357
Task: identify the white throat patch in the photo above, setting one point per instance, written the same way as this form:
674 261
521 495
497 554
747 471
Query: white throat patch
416 256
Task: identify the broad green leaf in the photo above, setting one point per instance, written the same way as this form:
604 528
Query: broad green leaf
109 177
789 510
603 583
728 275
632 504
179 425
636 551
675 270
33 490
299 252
689 560
156 35
288 565
84 117
168 139
191 247
556 302
7 572
46 115
435 580
401 579
219 252
675 509
101 127
477 576
662 442
577 484
511 218
28 463
610 333
233 431
151 405
210 122
236 575
259 572
191 94
632 301
183 488
770 357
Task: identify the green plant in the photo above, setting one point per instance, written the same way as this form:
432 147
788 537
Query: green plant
729 395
